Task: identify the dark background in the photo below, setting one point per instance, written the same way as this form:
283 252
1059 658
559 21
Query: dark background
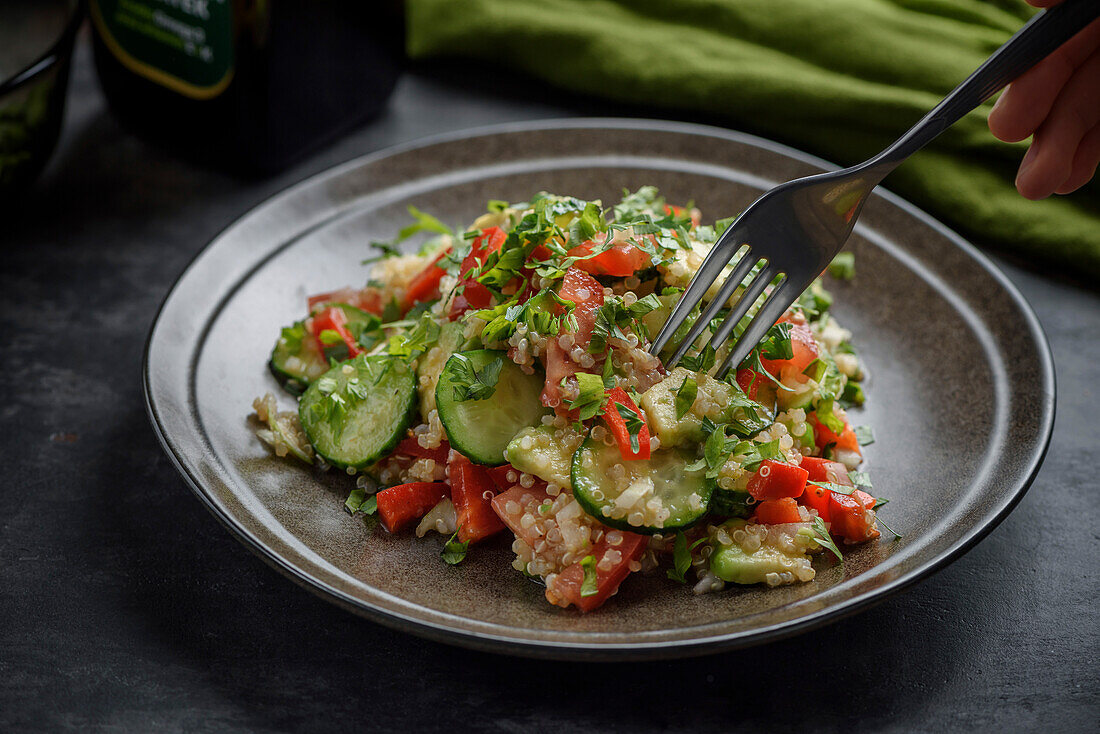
124 606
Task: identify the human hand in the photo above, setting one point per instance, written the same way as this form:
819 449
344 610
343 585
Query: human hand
1057 101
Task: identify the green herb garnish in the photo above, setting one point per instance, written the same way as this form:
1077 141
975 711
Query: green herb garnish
864 435
685 396
470 383
634 424
454 551
590 398
589 585
824 539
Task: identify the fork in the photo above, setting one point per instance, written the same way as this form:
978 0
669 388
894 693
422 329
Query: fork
791 233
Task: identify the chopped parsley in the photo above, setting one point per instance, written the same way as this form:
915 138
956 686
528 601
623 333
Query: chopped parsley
415 341
824 539
827 417
359 501
454 551
777 344
700 362
470 383
590 398
864 435
634 424
422 222
895 533
589 584
685 396
834 487
385 250
861 479
681 557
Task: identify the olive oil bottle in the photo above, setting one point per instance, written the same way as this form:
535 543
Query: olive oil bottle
248 85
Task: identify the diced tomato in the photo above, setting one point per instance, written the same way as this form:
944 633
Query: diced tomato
777 512
513 498
559 365
803 345
775 479
617 425
400 506
825 471
852 517
582 289
585 291
621 259
409 446
817 498
499 475
334 319
750 382
472 492
367 299
565 588
425 285
474 295
846 441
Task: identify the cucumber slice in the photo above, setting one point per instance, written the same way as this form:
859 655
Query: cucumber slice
481 429
296 359
682 495
732 503
357 411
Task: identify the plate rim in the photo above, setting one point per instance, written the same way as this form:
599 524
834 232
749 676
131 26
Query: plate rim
562 649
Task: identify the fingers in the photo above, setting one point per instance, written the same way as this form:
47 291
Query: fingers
1026 102
1050 162
1085 161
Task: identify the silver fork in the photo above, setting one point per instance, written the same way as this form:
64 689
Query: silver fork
795 230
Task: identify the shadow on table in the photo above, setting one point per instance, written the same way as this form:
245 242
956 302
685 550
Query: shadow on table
258 652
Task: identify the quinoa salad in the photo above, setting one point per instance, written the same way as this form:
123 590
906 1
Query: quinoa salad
496 387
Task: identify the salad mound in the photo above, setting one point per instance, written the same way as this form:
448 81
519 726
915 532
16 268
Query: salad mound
499 383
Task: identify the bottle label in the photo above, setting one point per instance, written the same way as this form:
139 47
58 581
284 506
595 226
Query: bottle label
185 45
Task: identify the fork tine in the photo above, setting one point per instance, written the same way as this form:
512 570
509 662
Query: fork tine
768 314
744 265
744 303
711 268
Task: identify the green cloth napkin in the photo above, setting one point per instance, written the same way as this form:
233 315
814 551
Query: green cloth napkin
838 78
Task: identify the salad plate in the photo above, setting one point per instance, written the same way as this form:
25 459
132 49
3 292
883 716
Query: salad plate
960 388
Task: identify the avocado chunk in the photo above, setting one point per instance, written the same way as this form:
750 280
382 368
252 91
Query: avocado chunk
723 404
545 452
780 559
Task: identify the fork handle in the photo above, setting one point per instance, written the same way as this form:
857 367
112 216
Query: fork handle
1044 33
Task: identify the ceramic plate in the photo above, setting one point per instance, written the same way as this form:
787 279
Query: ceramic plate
961 394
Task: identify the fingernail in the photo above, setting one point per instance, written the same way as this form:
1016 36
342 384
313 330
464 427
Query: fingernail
1027 162
997 104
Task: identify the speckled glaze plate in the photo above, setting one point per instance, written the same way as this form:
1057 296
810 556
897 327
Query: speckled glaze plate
961 389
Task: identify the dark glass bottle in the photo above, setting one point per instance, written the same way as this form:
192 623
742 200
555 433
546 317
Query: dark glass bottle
249 85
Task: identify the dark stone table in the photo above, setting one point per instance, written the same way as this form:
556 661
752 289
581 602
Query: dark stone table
124 606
